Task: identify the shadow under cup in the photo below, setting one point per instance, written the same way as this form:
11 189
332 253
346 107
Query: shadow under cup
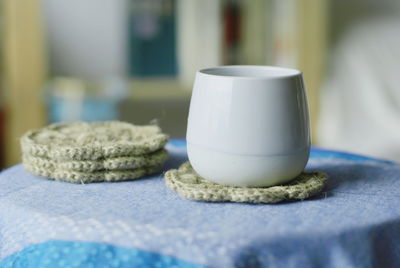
248 125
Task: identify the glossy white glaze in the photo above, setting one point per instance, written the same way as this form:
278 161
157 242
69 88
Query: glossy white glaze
254 112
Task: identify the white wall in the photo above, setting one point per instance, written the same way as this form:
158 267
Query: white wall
87 38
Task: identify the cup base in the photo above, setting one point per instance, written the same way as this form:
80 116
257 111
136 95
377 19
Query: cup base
246 170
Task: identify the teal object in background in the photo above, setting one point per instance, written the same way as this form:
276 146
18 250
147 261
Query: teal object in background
152 45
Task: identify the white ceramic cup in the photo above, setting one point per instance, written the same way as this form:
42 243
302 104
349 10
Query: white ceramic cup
248 125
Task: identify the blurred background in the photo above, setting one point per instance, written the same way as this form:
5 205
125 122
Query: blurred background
135 60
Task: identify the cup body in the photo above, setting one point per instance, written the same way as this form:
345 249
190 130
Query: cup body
248 125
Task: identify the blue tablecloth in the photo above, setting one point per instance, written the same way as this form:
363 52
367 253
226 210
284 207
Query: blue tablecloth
355 222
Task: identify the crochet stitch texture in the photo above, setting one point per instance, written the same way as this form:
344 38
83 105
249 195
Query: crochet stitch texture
92 141
86 177
154 159
94 152
188 184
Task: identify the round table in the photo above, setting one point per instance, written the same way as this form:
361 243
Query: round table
354 222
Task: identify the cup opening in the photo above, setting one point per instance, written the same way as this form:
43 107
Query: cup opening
251 71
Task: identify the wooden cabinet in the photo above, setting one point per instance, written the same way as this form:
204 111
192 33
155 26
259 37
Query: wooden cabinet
23 72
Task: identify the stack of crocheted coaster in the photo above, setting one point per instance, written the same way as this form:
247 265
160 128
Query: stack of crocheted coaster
190 185
93 152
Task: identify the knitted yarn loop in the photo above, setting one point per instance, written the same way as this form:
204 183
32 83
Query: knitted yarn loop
188 184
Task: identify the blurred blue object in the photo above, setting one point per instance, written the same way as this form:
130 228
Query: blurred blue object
91 109
72 99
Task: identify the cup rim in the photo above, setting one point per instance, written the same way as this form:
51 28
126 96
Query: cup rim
264 72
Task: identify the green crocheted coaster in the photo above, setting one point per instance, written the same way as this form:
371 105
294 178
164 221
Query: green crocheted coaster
92 141
117 163
187 183
96 176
